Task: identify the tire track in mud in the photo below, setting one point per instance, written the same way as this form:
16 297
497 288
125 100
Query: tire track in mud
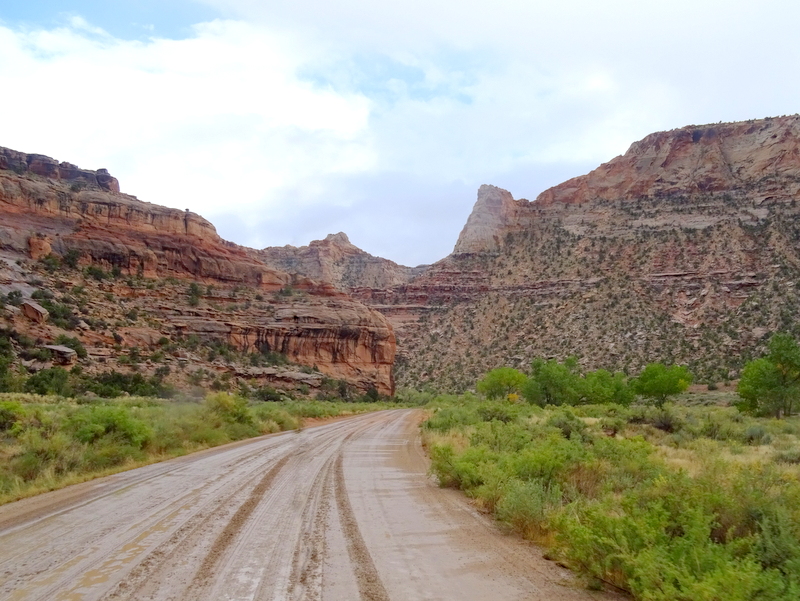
161 575
228 535
255 524
39 508
370 586
95 569
147 571
305 581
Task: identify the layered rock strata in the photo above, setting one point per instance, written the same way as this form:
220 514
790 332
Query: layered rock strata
342 339
51 208
685 249
336 261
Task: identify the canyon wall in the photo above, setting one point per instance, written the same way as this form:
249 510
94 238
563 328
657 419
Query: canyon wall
55 209
686 248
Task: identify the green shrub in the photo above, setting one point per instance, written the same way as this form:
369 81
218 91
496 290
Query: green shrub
93 271
10 413
113 384
71 258
500 436
791 456
756 435
54 380
267 393
567 423
529 505
497 412
14 298
89 424
612 508
51 263
60 313
666 420
72 343
447 418
230 407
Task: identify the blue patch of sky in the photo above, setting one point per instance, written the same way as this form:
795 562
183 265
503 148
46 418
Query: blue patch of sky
139 20
388 80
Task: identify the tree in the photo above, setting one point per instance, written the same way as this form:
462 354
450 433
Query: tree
553 383
6 363
657 382
501 382
54 380
602 386
771 385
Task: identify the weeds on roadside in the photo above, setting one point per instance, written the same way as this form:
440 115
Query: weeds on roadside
670 504
50 441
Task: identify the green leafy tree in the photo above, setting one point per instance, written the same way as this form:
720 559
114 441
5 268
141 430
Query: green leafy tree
501 382
771 385
602 386
554 383
657 382
54 380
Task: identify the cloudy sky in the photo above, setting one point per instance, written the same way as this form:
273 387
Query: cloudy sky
282 121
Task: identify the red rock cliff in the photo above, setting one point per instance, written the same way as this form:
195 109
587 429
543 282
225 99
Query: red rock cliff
336 261
685 249
50 207
762 153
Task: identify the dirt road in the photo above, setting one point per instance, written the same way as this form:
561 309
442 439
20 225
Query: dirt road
338 512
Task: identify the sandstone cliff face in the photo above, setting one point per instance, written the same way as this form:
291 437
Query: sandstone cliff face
336 261
343 339
55 208
119 231
494 213
38 164
760 156
687 248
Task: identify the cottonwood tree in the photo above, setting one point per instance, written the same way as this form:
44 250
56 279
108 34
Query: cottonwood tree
553 383
771 385
658 382
501 382
601 386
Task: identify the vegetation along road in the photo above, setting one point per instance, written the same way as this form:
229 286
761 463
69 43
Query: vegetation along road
340 511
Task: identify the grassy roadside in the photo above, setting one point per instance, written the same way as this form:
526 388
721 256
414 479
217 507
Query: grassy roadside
48 442
693 503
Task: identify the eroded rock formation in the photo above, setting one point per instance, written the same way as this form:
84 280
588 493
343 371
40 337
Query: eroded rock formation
343 339
336 261
494 213
51 208
759 157
686 248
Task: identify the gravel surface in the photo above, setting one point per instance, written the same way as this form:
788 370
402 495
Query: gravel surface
337 512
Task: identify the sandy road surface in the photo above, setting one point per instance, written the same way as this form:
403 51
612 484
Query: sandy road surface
338 512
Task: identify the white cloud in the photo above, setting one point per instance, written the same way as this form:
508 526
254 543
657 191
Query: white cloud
211 122
290 118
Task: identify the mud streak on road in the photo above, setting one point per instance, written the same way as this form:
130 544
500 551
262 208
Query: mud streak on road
369 582
237 522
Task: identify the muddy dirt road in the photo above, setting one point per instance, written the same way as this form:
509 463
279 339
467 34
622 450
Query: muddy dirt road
338 512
